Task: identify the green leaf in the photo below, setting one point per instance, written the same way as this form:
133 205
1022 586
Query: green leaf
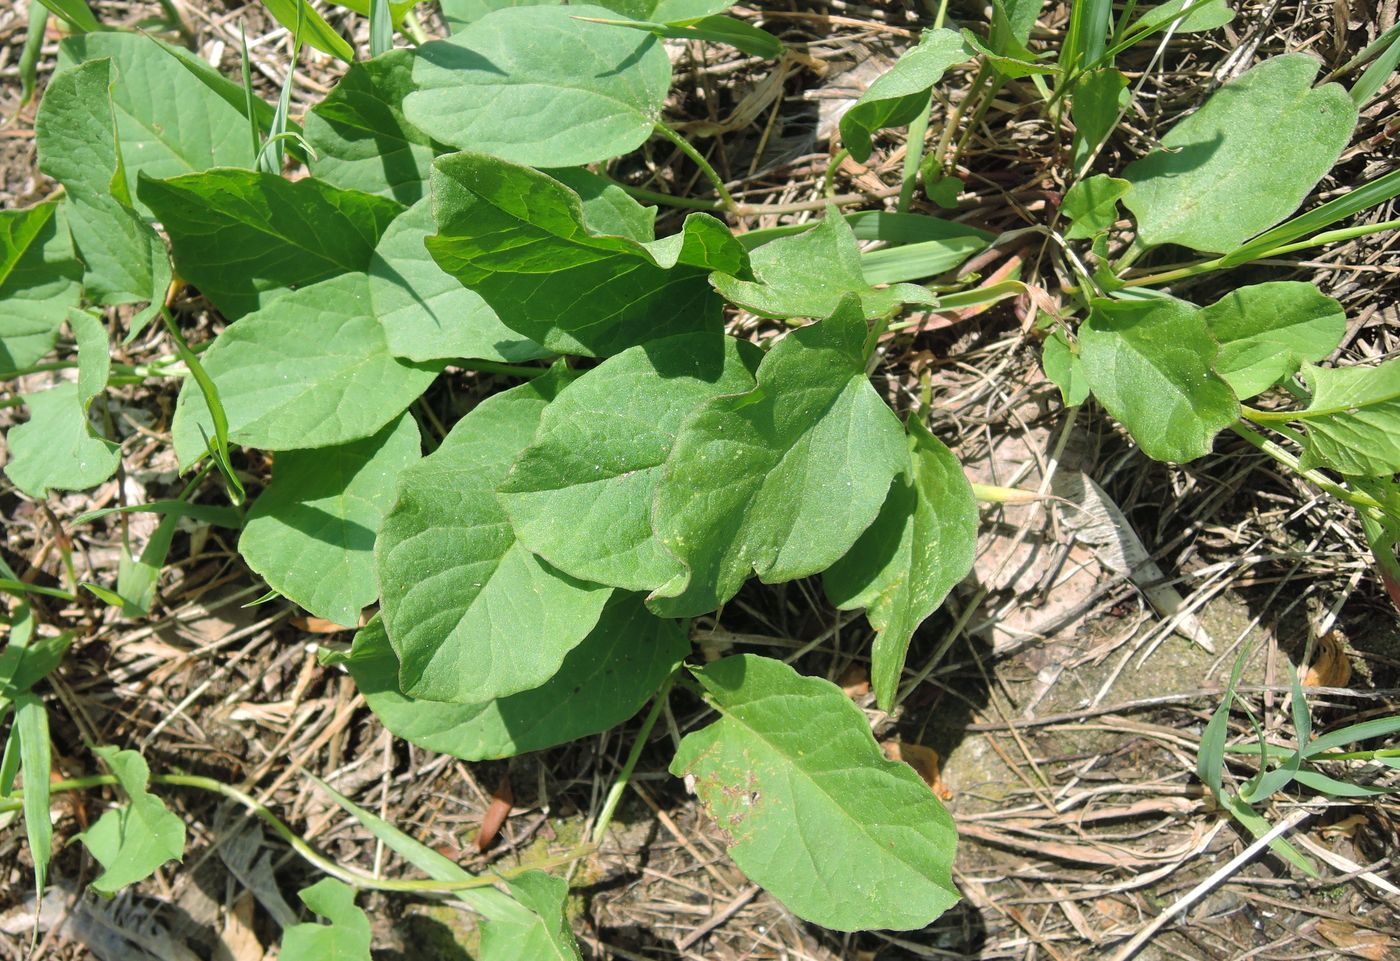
302 20
1268 331
166 124
599 684
1353 422
919 547
1149 363
132 841
360 137
737 33
809 806
781 480
920 246
76 13
607 207
27 660
501 227
39 282
1216 180
580 496
1205 16
76 134
1013 62
545 935
941 190
314 369
667 11
460 13
426 314
1098 97
57 447
137 577
808 275
537 85
311 533
345 938
898 95
36 761
471 613
242 237
1065 370
1092 205
1386 49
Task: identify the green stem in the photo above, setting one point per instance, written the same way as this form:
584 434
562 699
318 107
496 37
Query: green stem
669 200
623 776
950 125
1270 449
828 185
913 154
684 146
413 27
507 370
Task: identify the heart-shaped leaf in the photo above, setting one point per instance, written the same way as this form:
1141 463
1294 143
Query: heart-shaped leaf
901 93
136 838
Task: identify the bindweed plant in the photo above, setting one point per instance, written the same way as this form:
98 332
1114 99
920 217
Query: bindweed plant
536 572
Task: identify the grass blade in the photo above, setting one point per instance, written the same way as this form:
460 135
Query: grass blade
381 27
218 444
1378 727
29 56
32 722
249 97
1370 82
1376 192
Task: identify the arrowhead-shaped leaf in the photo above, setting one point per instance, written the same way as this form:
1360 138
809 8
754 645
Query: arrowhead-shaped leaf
810 807
537 85
580 496
243 237
1149 363
57 447
781 480
1353 421
807 274
1216 181
543 936
1092 205
521 240
39 281
600 683
312 370
136 838
471 613
362 140
1267 331
310 535
901 93
345 938
920 546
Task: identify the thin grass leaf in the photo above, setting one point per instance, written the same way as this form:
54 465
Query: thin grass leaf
1087 37
9 761
75 13
254 132
310 27
1258 825
1362 198
218 444
273 155
10 585
29 56
1210 759
1334 788
381 27
1386 50
32 722
136 578
1377 727
206 513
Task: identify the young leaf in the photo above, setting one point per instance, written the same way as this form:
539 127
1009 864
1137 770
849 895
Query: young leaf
1267 331
75 131
897 96
311 533
907 561
312 370
810 807
1098 96
808 274
1064 368
132 841
599 684
545 934
426 314
580 496
1092 205
360 138
782 480
1353 422
1149 363
345 938
36 761
57 447
1216 180
501 226
471 613
166 124
243 237
310 27
540 86
39 282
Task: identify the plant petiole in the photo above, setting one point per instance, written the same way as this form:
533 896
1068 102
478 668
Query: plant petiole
685 147
623 776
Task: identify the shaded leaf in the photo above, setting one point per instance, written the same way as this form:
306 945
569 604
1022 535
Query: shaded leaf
781 480
345 938
602 682
901 93
1353 422
544 935
1216 180
132 841
919 547
809 806
580 496
1098 97
312 370
39 282
311 533
1149 363
243 237
1268 331
503 83
1062 365
501 227
471 613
